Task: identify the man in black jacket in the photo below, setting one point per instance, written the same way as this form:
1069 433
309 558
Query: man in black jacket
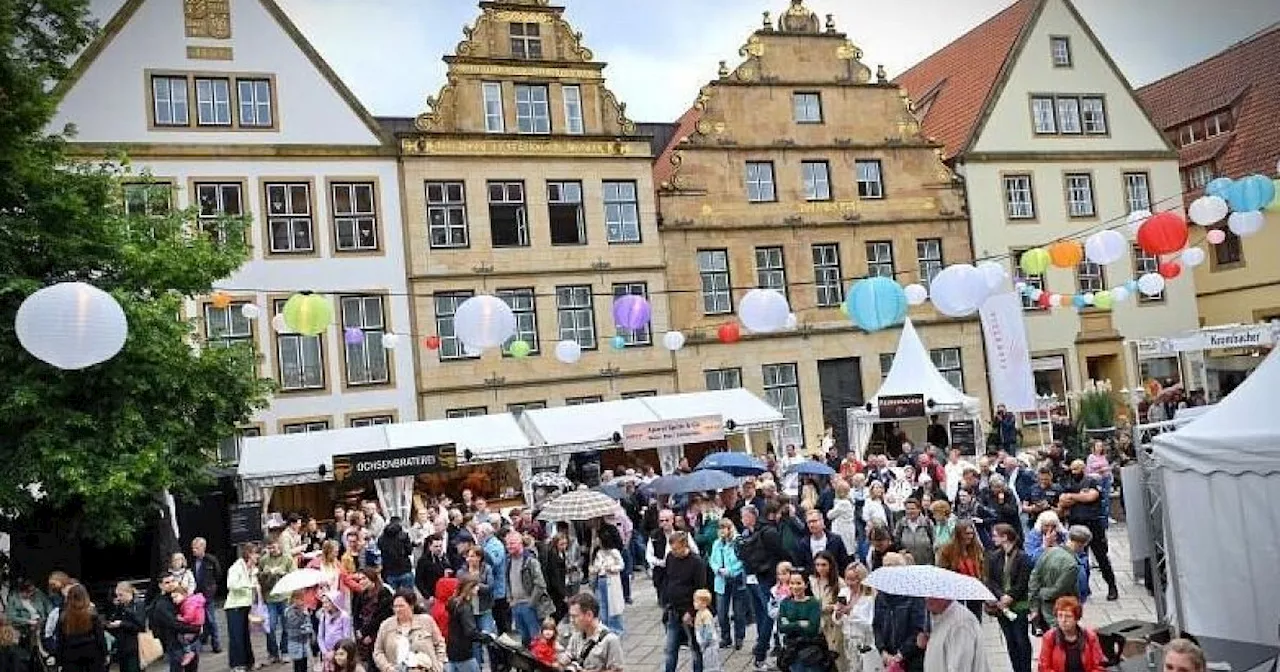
685 573
166 627
819 540
432 566
207 570
397 555
1008 576
760 549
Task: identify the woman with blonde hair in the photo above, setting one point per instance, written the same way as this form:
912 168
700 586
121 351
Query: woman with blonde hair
854 613
843 516
944 524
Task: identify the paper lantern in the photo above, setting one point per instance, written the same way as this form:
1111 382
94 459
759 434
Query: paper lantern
519 349
1208 210
1245 224
1164 233
1219 186
1135 221
1066 254
958 290
763 311
353 336
618 342
916 294
1045 300
1131 285
250 311
1035 293
729 332
1078 301
1216 236
1169 269
631 312
1034 261
792 321
1105 247
877 303
431 342
993 275
1251 194
308 314
220 300
1151 284
71 325
844 309
1119 295
484 321
1089 298
1274 206
1192 257
568 352
279 325
390 341
673 340
1102 300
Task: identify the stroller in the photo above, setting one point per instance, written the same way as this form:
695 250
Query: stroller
519 657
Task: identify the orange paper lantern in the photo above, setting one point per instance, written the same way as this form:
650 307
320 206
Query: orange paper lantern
220 300
1066 253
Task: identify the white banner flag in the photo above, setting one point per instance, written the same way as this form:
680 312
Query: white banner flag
1008 359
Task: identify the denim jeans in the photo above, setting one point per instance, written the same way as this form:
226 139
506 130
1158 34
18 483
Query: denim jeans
628 566
210 625
484 622
614 623
637 550
677 630
239 648
758 593
735 595
275 638
525 616
1018 641
464 666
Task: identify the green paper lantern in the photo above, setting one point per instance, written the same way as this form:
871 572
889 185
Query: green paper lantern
308 314
1103 300
1035 261
844 308
519 349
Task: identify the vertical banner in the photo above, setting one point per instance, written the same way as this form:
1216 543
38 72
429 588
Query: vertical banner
1008 359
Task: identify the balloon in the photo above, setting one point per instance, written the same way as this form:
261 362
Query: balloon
1251 193
916 294
1151 284
1066 254
1208 210
1105 247
1216 236
1164 233
993 274
1192 257
1170 270
1219 186
484 321
568 352
877 303
958 290
308 314
1119 295
1245 224
1034 261
71 325
673 340
220 300
519 349
353 336
279 325
618 342
431 342
250 311
763 311
631 311
1102 300
792 321
729 332
390 341
1135 221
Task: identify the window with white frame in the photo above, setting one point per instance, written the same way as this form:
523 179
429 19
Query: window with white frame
771 269
723 379
782 391
760 182
1068 116
299 359
523 304
886 364
1042 116
522 406
447 214
468 412
1144 263
255 103
1060 49
355 216
870 179
508 220
928 259
147 199
950 365
807 108
213 101
289 220
1199 175
621 212
572 95
880 259
575 315
533 115
217 201
1137 191
713 271
526 41
493 119
169 101
1034 281
826 274
306 427
224 327
366 358
641 336
446 306
1090 277
564 209
371 421
817 182
1019 199
1080 195
583 401
638 394
1093 113
229 448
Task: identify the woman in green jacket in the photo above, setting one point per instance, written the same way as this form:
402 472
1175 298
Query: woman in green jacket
799 621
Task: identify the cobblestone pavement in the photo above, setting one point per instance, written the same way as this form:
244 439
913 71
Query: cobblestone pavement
644 636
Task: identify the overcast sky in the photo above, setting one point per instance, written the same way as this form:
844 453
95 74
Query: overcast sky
660 52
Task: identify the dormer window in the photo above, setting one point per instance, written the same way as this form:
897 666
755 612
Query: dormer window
526 41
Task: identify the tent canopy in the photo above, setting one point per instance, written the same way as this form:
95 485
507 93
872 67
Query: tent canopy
483 435
745 409
588 426
293 454
913 372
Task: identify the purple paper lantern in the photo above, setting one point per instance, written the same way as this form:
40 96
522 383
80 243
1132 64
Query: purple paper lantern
353 336
631 312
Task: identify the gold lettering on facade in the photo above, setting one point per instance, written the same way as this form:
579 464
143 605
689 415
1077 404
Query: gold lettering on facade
513 147
844 207
512 16
207 18
493 70
209 53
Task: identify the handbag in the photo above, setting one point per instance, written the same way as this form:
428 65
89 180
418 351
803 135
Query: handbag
260 618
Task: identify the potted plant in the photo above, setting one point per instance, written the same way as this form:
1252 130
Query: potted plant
1095 410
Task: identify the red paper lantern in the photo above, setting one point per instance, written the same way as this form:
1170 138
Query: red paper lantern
1163 233
1045 300
729 333
1170 270
431 342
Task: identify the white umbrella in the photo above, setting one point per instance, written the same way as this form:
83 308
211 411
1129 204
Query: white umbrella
549 479
579 505
928 581
298 579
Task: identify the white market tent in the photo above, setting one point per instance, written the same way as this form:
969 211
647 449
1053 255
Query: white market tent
747 411
586 426
912 372
1221 478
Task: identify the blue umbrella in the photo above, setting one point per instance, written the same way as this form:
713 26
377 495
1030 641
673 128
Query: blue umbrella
698 481
812 468
737 464
611 490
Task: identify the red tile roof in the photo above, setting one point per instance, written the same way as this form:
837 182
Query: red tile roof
662 166
953 85
1244 77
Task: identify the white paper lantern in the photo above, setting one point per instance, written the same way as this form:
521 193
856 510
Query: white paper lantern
1119 294
916 293
1151 284
1208 210
993 275
568 352
470 351
1105 247
250 311
1089 298
763 311
71 325
1136 218
958 290
792 321
484 321
1245 224
673 340
279 325
1192 257
390 341
1036 293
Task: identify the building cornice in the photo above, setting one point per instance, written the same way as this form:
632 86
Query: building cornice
787 145
706 335
1239 288
493 275
543 381
524 146
801 223
1068 156
228 151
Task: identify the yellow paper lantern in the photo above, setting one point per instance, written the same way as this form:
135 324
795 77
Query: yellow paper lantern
1066 253
1034 261
308 314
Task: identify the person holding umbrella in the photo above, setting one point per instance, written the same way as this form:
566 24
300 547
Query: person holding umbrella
954 644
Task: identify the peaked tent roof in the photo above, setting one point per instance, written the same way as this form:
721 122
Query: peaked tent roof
913 372
1241 434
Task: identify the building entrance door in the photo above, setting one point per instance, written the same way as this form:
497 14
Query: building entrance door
840 384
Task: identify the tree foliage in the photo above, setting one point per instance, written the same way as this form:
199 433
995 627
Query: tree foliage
104 440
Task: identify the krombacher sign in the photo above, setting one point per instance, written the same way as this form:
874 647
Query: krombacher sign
390 463
455 147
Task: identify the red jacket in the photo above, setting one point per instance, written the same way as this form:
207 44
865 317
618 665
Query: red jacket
543 649
1053 657
445 588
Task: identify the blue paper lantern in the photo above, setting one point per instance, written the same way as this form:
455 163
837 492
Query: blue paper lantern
1218 187
619 342
877 303
1251 193
1131 285
1078 301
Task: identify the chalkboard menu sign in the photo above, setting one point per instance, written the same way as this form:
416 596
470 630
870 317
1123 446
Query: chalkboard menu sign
963 436
245 522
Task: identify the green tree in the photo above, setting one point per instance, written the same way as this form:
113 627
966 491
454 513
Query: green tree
101 441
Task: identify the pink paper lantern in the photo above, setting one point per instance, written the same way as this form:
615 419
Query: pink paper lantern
1216 236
